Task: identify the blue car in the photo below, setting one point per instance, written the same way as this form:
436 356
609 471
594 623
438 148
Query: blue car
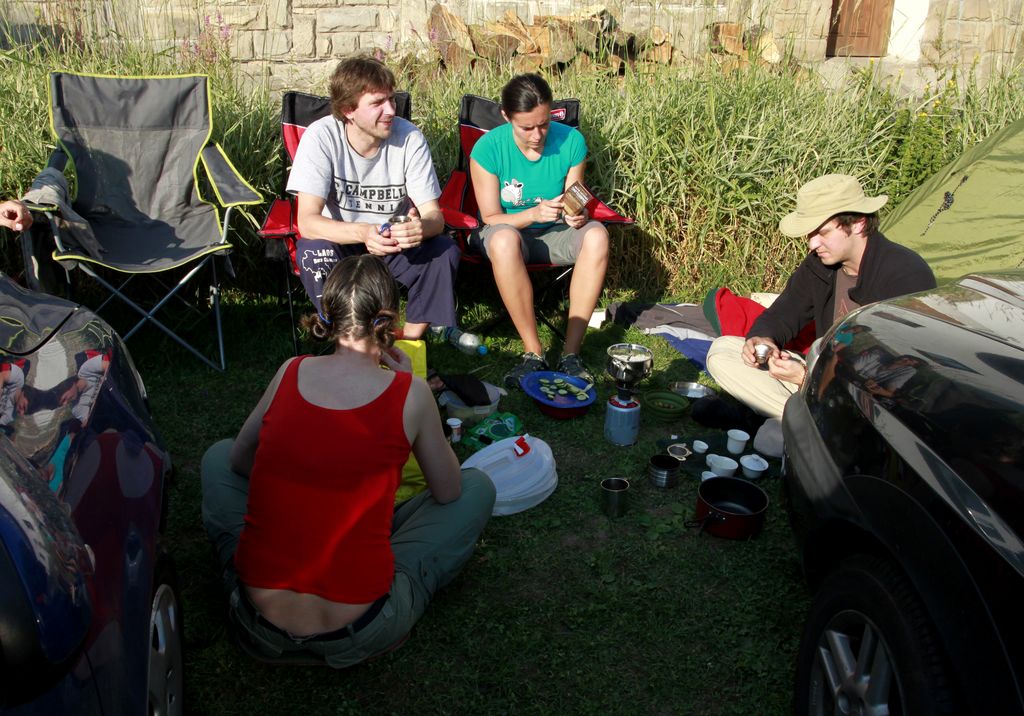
89 611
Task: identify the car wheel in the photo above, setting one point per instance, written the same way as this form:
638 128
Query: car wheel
166 674
868 647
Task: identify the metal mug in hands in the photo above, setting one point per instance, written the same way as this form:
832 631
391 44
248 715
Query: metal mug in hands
761 352
400 216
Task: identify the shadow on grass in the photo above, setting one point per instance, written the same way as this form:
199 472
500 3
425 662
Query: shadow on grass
560 610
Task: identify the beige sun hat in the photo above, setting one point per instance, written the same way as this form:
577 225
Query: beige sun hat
820 199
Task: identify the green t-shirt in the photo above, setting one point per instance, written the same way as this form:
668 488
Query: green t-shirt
522 182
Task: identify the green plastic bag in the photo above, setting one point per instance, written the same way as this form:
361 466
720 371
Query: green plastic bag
492 429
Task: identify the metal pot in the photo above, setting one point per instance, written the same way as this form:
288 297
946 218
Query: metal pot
663 470
730 507
629 363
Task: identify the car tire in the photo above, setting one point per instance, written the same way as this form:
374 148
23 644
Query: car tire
165 673
867 613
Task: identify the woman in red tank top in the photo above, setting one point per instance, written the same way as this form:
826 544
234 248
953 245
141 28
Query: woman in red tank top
319 565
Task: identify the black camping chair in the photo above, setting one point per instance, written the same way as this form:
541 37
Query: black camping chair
134 145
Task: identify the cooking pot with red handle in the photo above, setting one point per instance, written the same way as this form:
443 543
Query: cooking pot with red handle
730 507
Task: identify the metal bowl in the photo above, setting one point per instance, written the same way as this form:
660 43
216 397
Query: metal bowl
629 363
692 390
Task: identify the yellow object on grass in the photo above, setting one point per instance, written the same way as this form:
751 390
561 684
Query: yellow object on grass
413 481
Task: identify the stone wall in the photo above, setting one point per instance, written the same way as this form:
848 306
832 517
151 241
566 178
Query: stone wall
296 43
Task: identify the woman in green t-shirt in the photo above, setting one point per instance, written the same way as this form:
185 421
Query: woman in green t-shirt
520 171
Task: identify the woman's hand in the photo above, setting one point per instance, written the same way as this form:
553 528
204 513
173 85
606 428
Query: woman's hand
577 221
548 211
396 359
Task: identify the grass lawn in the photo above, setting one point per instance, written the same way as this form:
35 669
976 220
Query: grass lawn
561 609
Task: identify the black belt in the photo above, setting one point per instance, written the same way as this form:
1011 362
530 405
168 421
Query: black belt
346 631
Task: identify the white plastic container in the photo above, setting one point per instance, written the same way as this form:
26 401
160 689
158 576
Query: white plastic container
470 415
522 478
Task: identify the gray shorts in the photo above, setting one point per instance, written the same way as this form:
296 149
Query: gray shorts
558 244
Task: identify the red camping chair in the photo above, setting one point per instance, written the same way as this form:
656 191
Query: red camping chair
477 116
298 111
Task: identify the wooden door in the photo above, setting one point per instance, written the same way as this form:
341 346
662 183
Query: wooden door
859 28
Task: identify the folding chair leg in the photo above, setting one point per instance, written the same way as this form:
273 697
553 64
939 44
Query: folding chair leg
150 317
215 289
291 306
540 297
554 329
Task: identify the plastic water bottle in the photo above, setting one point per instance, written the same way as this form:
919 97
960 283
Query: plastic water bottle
466 342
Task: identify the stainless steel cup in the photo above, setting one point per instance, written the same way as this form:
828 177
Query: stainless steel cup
761 351
614 492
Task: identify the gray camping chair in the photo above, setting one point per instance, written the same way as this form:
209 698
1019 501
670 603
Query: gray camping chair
134 145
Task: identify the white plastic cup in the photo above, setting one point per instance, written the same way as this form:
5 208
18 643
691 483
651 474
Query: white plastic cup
700 447
709 458
456 425
737 441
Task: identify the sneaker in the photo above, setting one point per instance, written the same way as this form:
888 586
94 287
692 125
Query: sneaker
570 364
530 363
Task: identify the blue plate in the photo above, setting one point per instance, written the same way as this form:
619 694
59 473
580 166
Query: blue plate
531 384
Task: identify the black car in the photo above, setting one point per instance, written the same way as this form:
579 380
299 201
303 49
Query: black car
904 482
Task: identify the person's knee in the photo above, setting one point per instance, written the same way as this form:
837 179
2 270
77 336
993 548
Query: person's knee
478 489
505 246
595 241
723 355
216 460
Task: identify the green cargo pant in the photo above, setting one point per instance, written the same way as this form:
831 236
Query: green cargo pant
431 542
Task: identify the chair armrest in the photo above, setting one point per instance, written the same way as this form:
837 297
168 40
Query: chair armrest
458 221
229 186
280 221
58 160
55 169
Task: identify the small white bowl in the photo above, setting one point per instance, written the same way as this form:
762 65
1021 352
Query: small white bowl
754 466
709 458
724 466
700 447
707 475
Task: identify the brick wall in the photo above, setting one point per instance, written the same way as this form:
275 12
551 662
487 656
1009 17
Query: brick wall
296 43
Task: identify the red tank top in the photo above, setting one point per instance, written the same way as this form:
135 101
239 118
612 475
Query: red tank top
321 495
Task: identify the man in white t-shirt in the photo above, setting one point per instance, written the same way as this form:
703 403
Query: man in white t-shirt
353 172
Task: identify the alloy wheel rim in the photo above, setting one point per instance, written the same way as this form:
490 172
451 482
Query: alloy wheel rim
165 679
853 671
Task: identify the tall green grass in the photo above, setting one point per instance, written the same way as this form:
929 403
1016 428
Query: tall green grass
705 161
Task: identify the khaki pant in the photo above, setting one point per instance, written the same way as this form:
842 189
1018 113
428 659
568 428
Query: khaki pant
431 542
751 386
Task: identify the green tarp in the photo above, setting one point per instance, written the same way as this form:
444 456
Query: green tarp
981 227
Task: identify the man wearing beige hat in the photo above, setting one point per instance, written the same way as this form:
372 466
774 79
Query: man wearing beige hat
849 264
